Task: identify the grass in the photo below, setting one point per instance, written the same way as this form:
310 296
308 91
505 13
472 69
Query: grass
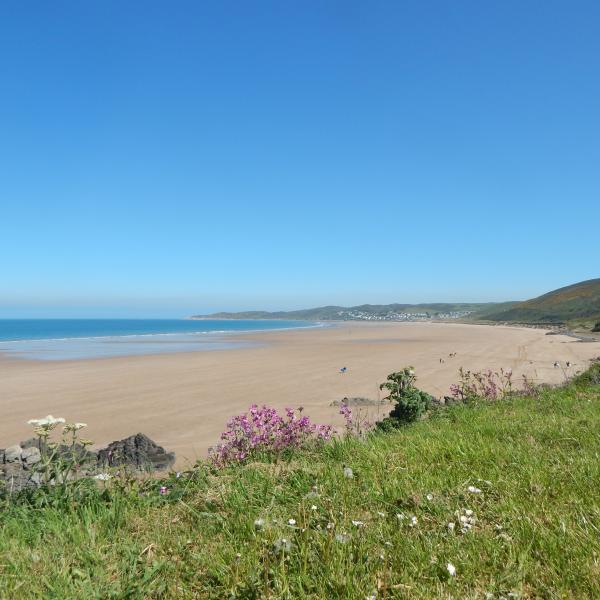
536 461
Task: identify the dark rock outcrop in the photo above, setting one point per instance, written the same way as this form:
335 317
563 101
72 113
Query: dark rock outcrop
19 463
138 451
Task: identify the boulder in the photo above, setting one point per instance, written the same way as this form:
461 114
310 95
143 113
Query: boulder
30 456
13 454
359 401
137 451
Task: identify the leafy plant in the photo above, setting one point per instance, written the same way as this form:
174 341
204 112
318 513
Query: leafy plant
409 401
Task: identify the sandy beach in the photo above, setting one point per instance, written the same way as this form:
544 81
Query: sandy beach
183 401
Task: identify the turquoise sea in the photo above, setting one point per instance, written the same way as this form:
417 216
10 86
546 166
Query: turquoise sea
68 339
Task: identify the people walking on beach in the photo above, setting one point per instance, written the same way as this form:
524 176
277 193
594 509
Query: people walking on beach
343 370
556 364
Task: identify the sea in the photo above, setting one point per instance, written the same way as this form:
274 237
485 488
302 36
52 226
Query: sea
73 339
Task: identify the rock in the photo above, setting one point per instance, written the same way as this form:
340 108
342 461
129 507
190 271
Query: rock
31 456
13 454
358 401
138 451
32 443
14 477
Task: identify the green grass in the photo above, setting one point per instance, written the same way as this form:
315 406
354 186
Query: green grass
537 534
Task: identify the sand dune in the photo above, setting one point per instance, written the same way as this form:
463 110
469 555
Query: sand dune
184 400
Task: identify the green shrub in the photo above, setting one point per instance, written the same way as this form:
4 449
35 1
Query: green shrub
596 328
409 401
589 377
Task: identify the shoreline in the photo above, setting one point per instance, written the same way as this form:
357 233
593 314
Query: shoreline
182 400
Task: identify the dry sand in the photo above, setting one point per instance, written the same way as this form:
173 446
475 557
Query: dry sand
183 401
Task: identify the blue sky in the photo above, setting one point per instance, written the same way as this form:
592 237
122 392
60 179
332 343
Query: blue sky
162 159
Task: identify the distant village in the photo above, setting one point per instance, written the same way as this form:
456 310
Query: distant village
359 315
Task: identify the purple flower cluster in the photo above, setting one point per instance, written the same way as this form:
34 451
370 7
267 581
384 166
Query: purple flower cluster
263 429
346 412
488 384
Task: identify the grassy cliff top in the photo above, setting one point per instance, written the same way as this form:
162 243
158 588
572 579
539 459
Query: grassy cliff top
526 467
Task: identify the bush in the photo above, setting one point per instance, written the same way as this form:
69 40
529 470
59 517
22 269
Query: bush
596 328
409 401
589 377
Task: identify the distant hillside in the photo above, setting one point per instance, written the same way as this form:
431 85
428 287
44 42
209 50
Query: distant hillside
577 302
364 312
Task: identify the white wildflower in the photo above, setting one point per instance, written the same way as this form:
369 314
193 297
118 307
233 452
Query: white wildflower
473 490
451 569
329 525
259 524
102 476
451 526
47 421
348 473
313 507
429 497
380 514
291 521
400 516
357 523
413 521
282 546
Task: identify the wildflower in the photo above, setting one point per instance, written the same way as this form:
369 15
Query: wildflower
259 524
282 546
473 490
466 520
291 521
400 516
451 526
178 474
429 497
380 514
413 521
342 538
47 422
102 477
451 569
313 507
163 490
348 473
330 525
357 523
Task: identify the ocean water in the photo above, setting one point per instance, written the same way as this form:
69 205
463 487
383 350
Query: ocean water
71 339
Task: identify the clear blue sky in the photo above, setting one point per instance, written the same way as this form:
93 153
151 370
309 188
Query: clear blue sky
166 158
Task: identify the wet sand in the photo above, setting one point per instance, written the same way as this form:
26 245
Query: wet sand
183 401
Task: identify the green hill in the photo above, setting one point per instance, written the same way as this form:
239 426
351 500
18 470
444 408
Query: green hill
341 313
518 479
575 303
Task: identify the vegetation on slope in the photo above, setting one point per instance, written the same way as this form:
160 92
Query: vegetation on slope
577 302
361 518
